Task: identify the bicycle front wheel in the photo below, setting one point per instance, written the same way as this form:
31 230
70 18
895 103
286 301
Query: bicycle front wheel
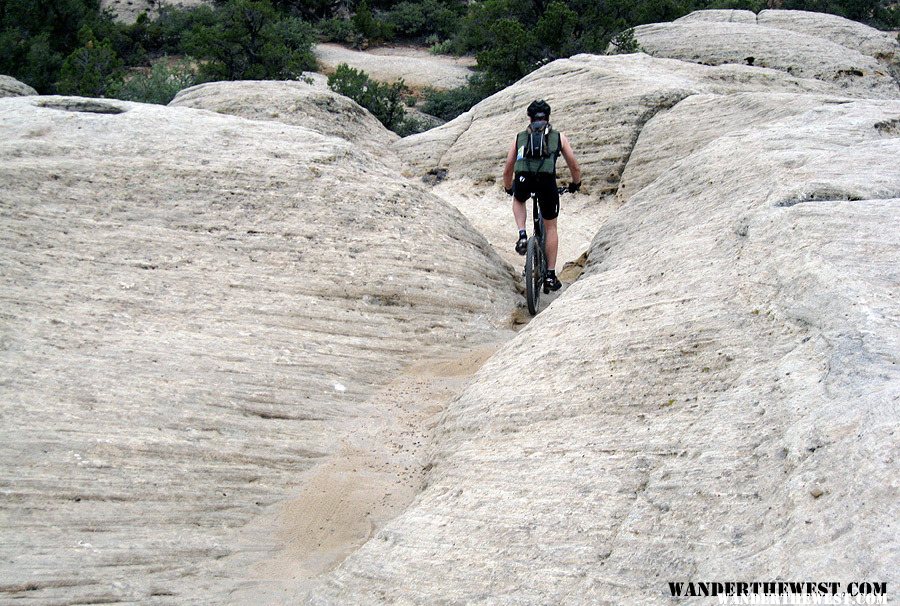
533 278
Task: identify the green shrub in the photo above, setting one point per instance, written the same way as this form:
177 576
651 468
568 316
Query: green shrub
423 17
556 28
168 33
370 28
511 53
385 101
625 43
448 104
336 30
410 125
92 70
36 36
160 85
251 41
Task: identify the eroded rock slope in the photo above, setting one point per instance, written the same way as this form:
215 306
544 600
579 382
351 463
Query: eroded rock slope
858 59
715 398
297 103
196 311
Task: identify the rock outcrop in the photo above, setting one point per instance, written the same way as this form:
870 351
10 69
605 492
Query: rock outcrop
237 351
417 68
851 34
600 103
719 16
854 57
198 311
713 399
10 87
296 103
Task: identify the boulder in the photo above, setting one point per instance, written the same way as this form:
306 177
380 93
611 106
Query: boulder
711 400
296 103
10 87
201 312
799 54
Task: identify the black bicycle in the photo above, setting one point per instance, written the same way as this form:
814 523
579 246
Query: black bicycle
536 258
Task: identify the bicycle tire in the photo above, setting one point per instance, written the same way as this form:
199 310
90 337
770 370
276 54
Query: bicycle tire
533 278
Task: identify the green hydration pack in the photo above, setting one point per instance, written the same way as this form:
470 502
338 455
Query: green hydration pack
537 149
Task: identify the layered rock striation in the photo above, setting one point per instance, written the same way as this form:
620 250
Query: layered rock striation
715 398
296 103
858 59
197 310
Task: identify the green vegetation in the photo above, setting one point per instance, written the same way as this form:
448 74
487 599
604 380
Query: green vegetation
385 101
159 85
250 40
71 46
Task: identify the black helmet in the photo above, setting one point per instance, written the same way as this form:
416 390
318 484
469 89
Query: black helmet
539 109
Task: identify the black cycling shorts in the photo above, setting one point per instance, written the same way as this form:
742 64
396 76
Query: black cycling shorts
543 185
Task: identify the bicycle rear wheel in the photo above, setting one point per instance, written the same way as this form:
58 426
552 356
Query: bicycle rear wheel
533 276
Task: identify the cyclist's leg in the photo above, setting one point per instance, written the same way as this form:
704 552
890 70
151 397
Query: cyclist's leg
552 242
519 212
550 210
521 193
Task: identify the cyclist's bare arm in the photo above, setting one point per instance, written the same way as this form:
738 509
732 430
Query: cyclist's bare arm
569 156
510 166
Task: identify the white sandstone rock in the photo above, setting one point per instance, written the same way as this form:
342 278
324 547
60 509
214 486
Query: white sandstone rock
719 16
798 54
294 103
599 102
184 293
728 354
10 87
851 34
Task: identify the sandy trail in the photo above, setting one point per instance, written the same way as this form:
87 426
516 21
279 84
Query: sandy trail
417 68
345 500
383 462
489 209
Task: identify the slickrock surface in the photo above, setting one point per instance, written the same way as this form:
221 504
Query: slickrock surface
715 398
799 54
245 362
656 152
199 315
128 10
417 68
10 87
719 16
599 102
296 103
852 34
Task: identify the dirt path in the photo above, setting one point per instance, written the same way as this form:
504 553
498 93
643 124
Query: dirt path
344 501
418 68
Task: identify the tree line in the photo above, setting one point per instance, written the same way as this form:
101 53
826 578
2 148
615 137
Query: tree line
73 47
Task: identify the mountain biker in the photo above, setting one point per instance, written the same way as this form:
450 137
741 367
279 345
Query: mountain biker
535 173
